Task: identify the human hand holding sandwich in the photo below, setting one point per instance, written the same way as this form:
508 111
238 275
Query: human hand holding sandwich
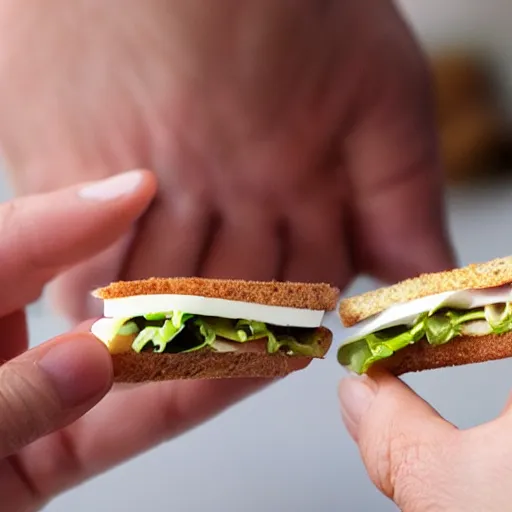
53 435
417 458
50 409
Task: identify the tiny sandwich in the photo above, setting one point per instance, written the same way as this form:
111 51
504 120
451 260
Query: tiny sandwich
197 328
451 318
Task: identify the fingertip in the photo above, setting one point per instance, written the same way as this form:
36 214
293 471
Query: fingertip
398 400
148 185
63 228
51 386
356 394
134 189
149 182
124 184
79 368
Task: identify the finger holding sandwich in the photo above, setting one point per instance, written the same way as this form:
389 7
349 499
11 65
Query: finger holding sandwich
419 459
45 234
190 348
412 454
221 339
53 384
42 235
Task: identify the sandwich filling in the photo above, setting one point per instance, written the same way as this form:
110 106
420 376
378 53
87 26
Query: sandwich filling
181 324
436 319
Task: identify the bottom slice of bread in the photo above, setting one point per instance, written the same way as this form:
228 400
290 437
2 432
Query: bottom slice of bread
206 364
457 352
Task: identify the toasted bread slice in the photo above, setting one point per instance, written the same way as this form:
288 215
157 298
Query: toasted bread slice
206 364
316 296
457 352
496 272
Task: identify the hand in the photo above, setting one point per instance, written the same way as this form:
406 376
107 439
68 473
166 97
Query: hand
54 431
291 140
418 459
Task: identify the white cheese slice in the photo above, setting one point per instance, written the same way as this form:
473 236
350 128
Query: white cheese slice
139 305
407 312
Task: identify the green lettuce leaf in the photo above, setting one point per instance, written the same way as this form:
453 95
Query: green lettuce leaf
303 342
204 333
379 345
436 327
175 331
160 336
243 331
232 331
156 317
309 347
443 326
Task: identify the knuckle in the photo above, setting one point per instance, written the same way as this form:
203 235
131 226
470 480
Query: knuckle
406 460
414 466
396 79
402 466
378 462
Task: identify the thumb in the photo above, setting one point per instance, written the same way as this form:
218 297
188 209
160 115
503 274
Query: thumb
403 441
49 387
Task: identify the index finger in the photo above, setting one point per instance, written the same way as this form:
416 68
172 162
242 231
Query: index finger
44 234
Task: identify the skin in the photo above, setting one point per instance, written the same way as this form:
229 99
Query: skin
417 458
290 140
54 430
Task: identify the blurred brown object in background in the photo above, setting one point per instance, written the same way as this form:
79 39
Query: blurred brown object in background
471 125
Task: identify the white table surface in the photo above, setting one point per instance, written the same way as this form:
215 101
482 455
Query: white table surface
286 449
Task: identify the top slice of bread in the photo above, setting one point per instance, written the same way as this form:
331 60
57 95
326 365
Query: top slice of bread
493 273
316 296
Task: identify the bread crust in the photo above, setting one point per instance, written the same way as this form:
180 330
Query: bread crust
131 367
493 273
317 296
460 351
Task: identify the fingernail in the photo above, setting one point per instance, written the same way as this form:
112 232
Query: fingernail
79 370
113 187
356 395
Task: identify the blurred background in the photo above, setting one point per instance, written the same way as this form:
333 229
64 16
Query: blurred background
286 449
470 53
